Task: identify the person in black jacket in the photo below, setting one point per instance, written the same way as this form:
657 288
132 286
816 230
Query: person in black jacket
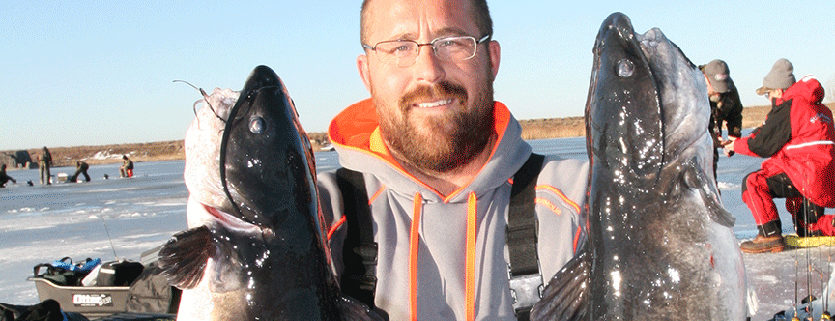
44 164
80 168
5 178
725 106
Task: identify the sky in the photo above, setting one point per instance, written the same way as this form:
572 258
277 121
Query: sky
101 72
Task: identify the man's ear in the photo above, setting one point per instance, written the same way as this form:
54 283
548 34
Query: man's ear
362 66
495 57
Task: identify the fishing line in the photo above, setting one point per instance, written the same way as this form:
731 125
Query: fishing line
805 229
115 257
809 297
205 99
820 273
796 276
805 207
825 314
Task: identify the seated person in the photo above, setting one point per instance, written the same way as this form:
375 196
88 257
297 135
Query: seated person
126 170
798 140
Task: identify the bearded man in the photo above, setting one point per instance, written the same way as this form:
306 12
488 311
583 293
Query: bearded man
424 217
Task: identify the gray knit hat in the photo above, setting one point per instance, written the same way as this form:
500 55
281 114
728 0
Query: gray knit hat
718 74
781 76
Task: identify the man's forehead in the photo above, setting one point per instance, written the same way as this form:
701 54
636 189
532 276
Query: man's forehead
407 19
443 32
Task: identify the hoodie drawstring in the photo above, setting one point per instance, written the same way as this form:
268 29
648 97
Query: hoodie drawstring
469 276
469 269
414 237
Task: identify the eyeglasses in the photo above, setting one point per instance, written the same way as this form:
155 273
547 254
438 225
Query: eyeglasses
405 52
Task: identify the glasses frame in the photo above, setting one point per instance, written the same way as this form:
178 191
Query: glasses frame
483 39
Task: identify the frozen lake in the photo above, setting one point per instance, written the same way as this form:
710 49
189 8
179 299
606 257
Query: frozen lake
40 224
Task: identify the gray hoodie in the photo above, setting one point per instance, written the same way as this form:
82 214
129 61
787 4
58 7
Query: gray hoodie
429 272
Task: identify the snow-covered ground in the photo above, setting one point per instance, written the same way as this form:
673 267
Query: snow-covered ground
40 224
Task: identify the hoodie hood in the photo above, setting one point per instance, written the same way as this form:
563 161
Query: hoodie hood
807 89
356 136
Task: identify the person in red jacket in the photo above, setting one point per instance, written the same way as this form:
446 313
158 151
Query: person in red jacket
798 140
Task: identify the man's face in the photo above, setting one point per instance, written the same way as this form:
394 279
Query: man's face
774 94
712 94
434 114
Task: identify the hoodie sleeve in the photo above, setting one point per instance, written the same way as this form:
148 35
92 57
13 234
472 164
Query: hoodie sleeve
732 111
772 135
331 202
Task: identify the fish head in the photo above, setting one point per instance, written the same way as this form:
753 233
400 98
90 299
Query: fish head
623 110
682 93
254 211
248 160
647 107
265 158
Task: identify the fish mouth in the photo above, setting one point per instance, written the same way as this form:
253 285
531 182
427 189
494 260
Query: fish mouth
233 222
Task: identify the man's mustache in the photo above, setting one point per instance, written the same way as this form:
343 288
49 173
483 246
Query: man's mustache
444 89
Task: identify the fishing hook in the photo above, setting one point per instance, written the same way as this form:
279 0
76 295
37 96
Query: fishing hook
205 99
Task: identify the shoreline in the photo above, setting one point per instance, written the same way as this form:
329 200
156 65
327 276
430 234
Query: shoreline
542 128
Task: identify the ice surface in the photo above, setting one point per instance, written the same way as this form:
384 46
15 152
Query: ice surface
40 224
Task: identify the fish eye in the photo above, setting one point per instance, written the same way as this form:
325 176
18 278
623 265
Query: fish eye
625 68
256 125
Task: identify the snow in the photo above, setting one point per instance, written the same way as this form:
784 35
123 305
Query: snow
41 224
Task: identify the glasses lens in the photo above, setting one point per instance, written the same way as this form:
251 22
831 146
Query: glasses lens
454 48
397 48
402 52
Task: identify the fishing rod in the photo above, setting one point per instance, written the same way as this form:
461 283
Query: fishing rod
796 270
825 314
804 208
106 230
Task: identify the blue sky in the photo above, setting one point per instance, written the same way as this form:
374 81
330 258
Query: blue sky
100 72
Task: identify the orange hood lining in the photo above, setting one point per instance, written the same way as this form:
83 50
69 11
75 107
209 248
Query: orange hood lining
357 127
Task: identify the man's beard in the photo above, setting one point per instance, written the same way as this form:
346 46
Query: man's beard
444 142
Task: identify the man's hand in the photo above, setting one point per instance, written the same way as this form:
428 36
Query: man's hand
717 140
728 146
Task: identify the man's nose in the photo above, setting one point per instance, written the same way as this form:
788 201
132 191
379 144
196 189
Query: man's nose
428 67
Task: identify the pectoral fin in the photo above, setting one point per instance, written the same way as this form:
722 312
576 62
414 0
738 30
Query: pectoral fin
351 309
183 259
697 179
566 297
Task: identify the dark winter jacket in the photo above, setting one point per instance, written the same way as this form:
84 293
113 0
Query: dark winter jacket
4 178
798 137
727 110
46 157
